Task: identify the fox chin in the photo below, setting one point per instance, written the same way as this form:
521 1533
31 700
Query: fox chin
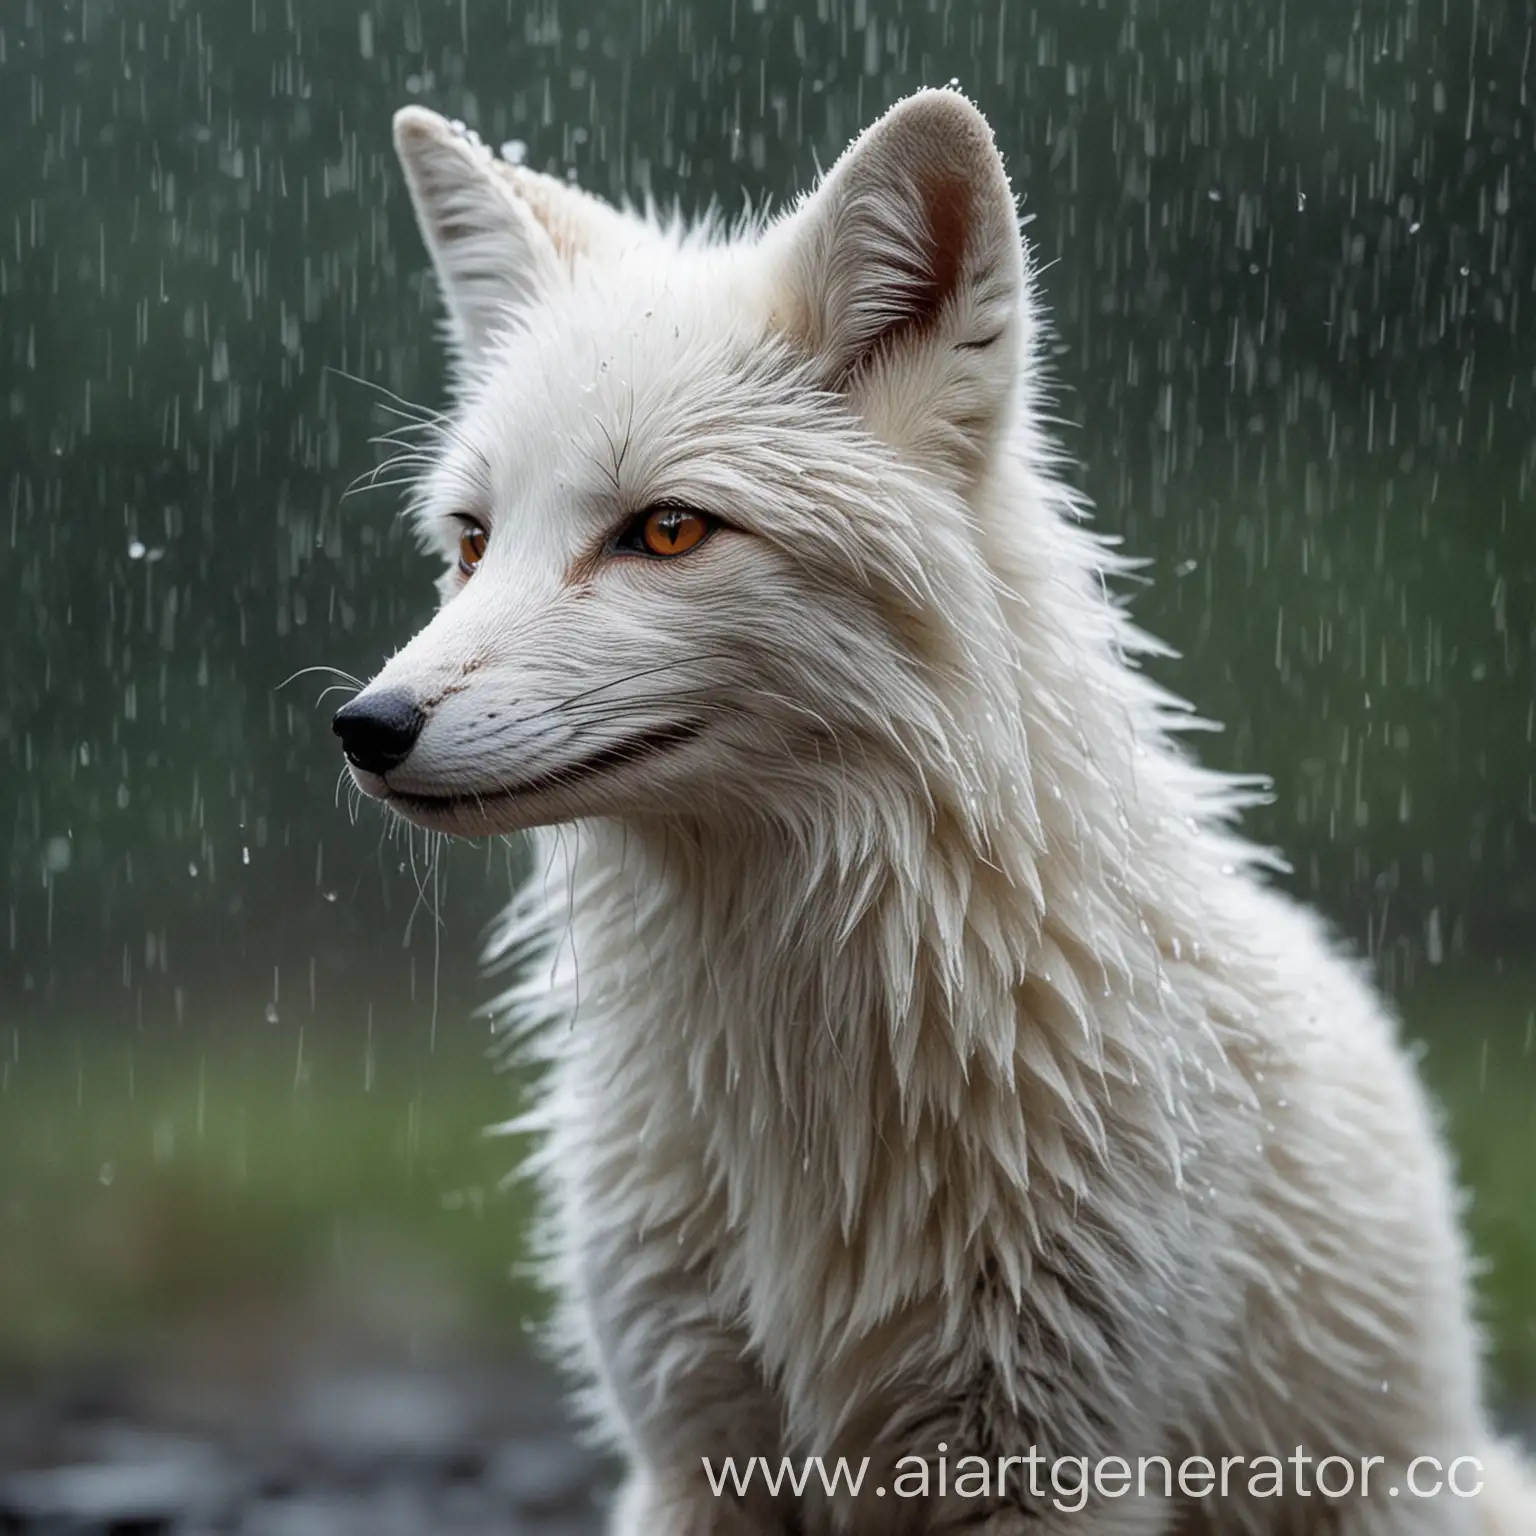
926 1067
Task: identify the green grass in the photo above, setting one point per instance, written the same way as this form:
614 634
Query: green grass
1480 1060
150 1194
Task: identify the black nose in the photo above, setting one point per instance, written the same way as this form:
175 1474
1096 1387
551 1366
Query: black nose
378 730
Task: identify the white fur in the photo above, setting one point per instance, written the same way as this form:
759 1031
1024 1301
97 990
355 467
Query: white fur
926 1060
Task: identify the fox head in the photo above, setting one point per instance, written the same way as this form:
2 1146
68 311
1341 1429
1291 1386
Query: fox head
706 504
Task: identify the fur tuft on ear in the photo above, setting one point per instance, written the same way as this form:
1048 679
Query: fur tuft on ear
579 224
902 274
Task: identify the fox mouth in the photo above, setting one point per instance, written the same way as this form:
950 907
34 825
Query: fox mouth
622 754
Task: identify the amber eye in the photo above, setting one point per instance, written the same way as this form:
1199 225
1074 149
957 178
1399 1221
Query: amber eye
672 530
472 548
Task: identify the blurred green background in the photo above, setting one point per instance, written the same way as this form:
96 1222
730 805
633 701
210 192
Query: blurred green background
1290 247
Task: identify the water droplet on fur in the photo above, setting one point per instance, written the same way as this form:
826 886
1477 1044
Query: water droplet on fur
514 151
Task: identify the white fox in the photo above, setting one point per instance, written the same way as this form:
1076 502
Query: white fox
930 1073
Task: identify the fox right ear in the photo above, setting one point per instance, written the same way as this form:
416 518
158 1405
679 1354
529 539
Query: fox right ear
492 254
902 277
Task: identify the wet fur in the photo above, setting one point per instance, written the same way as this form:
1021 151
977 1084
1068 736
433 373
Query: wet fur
925 1057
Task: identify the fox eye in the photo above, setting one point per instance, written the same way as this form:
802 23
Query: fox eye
668 531
472 547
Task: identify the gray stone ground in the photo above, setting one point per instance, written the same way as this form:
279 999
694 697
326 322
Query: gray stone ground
336 1450
345 1450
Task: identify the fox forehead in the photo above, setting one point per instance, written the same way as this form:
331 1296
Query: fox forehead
663 379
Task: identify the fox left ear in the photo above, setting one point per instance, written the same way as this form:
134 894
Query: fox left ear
902 275
491 254
498 234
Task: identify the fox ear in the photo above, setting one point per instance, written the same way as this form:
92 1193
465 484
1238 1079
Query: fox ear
492 254
903 276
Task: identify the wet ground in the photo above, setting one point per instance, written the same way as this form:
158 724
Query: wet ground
442 1450
325 1450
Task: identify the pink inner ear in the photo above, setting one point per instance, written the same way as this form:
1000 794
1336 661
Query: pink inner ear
947 206
928 270
557 222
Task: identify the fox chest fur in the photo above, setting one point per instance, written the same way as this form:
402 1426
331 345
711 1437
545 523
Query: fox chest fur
896 1244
